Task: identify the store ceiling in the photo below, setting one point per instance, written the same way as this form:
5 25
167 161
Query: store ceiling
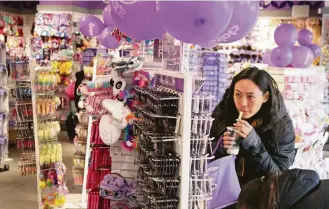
25 7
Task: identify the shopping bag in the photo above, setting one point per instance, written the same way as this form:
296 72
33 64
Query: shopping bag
225 183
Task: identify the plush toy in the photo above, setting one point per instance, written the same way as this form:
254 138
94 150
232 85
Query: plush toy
116 187
118 84
110 129
38 19
117 108
63 44
141 79
111 124
129 143
65 68
55 43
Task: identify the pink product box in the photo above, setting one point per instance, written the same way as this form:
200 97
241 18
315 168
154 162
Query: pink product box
299 95
300 79
288 95
289 79
287 87
297 86
311 79
307 86
297 79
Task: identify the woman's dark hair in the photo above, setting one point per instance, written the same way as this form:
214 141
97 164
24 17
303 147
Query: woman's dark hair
261 193
270 110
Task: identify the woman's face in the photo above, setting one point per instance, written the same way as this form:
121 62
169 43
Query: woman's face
248 98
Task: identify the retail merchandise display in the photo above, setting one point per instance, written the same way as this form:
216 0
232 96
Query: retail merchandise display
51 46
158 160
80 141
304 95
12 29
200 183
24 126
51 170
4 108
97 98
213 68
143 117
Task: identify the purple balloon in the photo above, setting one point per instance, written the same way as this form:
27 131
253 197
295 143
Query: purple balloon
281 56
107 40
137 19
194 21
267 58
285 35
91 25
107 16
240 24
303 57
315 49
305 37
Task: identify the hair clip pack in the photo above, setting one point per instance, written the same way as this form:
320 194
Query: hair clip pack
50 153
201 125
47 106
3 95
27 169
2 123
46 81
48 131
19 69
78 176
79 161
22 91
94 106
113 85
3 75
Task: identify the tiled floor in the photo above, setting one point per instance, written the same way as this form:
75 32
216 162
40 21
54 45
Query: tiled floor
17 192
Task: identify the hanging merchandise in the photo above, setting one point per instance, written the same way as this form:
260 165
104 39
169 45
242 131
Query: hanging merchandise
12 28
213 68
156 135
4 109
51 46
303 94
51 170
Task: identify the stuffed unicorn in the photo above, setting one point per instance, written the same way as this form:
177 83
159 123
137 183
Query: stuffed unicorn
111 124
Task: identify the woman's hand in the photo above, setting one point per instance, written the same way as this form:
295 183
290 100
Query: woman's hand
228 141
243 128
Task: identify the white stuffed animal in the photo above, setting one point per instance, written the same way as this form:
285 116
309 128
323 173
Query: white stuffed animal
110 129
118 110
111 124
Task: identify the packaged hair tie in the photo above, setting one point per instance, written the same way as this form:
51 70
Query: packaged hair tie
196 101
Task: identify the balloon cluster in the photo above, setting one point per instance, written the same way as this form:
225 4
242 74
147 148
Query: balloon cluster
205 23
287 54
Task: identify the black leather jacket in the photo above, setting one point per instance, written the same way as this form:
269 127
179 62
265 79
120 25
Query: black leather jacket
261 152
